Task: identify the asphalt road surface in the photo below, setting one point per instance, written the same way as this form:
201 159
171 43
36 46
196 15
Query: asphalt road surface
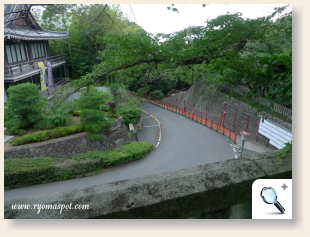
181 143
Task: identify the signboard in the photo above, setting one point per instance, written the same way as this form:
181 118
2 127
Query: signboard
119 144
131 127
50 73
278 136
42 75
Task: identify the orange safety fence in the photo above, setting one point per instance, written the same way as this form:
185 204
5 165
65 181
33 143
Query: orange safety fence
194 117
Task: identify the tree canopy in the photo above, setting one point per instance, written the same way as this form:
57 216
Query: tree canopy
252 52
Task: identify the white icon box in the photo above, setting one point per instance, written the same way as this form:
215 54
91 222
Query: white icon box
272 199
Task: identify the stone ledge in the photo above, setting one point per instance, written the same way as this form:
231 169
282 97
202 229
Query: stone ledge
69 145
179 194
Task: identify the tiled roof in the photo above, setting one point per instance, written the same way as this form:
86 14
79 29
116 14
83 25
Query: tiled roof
26 32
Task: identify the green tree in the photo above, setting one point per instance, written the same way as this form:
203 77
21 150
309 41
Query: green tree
25 106
229 48
130 111
157 95
87 25
93 104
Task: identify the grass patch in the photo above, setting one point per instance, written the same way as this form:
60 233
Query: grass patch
29 171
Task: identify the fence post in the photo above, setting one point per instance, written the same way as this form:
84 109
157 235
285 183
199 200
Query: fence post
221 119
257 130
247 126
194 112
206 113
235 119
224 114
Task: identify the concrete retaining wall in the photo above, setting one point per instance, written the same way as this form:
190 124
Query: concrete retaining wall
216 190
70 145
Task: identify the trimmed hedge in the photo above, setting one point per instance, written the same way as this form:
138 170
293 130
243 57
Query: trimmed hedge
47 134
133 151
29 171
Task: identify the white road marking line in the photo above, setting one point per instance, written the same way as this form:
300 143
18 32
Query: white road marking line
234 146
236 156
150 126
234 149
159 139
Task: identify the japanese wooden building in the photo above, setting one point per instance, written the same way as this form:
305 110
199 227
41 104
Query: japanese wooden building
26 48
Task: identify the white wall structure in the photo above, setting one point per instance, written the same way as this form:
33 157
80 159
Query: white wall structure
278 135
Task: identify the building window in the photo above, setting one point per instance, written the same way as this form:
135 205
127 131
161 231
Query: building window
38 50
16 53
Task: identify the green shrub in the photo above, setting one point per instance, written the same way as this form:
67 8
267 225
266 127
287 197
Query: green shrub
27 171
14 130
21 132
25 105
62 114
141 92
47 134
130 115
136 150
92 104
157 95
95 122
130 152
93 99
77 113
60 119
130 111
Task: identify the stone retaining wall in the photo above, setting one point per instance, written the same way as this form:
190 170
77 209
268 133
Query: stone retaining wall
70 145
216 190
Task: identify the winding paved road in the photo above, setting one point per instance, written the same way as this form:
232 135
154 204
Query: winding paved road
184 143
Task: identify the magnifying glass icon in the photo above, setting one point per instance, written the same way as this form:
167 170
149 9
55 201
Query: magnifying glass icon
269 196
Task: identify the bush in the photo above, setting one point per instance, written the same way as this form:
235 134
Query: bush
130 111
77 113
15 131
91 98
28 171
130 115
92 104
141 92
47 134
130 152
59 119
25 105
61 115
95 122
157 95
